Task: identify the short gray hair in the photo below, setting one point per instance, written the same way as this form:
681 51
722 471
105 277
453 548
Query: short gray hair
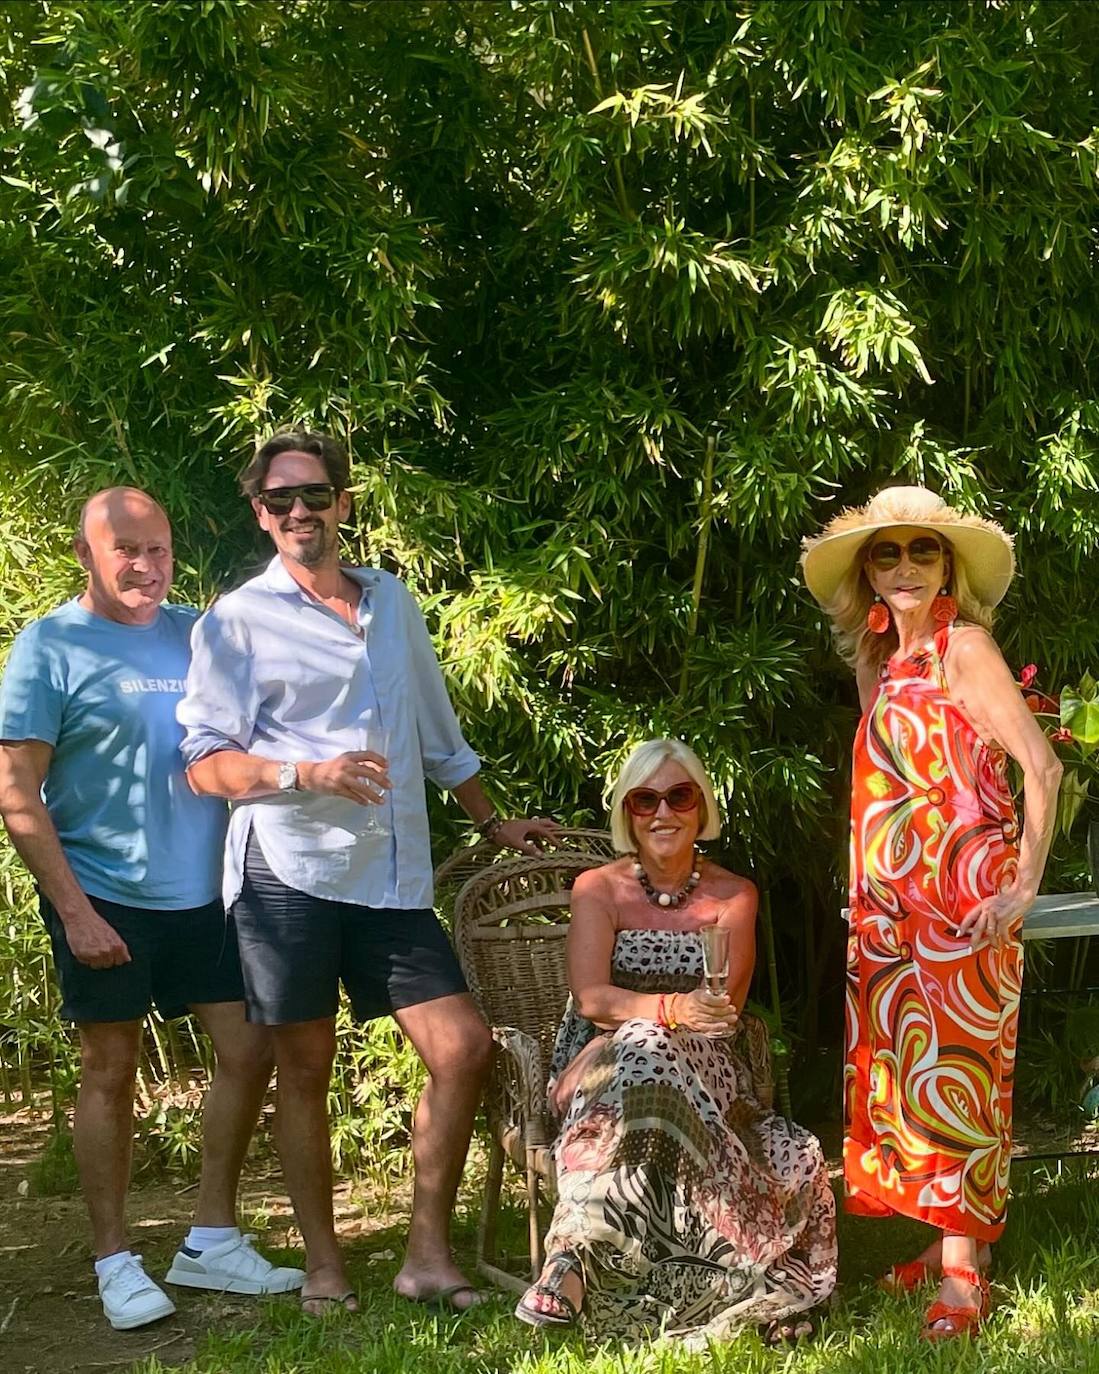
639 768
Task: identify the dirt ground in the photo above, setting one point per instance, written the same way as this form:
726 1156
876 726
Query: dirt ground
50 1314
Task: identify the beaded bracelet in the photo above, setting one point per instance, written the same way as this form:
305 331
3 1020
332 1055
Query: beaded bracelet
665 1015
489 826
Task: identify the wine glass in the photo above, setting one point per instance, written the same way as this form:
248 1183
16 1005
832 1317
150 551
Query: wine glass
375 740
715 958
715 963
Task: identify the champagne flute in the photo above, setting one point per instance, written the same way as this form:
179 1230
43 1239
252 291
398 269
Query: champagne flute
715 958
715 963
375 741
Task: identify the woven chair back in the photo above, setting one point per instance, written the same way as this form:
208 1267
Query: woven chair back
510 923
459 867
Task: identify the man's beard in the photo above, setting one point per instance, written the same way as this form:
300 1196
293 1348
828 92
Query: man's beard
321 543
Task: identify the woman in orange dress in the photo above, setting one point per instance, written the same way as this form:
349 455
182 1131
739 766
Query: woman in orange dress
940 877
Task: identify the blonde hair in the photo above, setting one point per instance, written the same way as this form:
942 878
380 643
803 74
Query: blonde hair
855 642
636 771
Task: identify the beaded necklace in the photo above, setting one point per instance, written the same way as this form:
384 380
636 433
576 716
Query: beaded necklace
667 899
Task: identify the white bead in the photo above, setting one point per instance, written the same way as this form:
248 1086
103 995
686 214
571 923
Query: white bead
637 870
665 899
695 877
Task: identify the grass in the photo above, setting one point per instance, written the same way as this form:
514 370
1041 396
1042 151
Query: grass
1046 1318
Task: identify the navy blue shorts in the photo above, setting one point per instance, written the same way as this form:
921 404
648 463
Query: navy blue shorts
178 959
296 949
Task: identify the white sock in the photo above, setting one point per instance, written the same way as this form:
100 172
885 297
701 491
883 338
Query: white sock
104 1266
204 1237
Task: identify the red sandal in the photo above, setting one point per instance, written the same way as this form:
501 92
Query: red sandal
964 1321
908 1277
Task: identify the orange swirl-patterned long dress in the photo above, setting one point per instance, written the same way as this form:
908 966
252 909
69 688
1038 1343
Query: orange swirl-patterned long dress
931 1023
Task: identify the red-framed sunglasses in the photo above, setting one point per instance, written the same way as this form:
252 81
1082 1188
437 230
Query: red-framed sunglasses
645 801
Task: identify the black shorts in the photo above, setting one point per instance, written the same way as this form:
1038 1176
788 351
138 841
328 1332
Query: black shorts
177 959
296 949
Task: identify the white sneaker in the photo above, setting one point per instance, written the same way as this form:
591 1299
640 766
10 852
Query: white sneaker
131 1298
233 1267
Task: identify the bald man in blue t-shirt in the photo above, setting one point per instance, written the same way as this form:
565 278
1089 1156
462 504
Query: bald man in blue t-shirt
128 865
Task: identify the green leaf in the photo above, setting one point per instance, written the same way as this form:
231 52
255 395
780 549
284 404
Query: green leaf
1080 713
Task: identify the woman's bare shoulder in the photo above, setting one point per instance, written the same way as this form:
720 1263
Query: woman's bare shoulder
594 882
728 886
971 642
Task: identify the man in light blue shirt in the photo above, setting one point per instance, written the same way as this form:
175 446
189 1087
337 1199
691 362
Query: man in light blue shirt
128 865
316 704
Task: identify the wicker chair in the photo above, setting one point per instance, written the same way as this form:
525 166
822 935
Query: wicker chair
459 867
510 923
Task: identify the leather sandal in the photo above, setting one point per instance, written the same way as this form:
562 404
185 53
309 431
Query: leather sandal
801 1326
557 1267
908 1277
961 1320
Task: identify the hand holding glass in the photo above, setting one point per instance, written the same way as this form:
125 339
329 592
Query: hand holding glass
375 741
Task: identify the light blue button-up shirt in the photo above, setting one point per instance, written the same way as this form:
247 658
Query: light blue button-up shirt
277 674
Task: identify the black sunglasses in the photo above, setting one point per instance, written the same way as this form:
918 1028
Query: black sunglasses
314 496
888 553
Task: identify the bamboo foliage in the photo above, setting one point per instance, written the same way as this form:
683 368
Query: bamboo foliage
612 301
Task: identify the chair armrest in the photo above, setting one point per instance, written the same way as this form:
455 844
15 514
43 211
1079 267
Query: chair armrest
520 1085
757 1051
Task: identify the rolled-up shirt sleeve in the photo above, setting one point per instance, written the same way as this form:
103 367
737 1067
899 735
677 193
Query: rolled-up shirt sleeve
219 706
447 758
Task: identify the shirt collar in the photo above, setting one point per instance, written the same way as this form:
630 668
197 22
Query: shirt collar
278 578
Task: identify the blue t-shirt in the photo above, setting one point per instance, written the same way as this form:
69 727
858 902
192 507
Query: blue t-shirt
104 695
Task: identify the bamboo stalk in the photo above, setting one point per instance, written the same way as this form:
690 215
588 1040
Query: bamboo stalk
176 1057
158 1040
809 963
616 162
752 178
782 1078
26 1087
706 506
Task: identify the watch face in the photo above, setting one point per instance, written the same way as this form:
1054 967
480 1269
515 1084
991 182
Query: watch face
288 777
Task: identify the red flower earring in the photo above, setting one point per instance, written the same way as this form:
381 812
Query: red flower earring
877 617
944 609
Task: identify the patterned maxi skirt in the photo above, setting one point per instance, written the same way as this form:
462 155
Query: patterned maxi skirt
694 1211
931 1022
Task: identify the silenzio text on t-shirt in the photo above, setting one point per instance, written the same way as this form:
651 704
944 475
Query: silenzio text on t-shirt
152 684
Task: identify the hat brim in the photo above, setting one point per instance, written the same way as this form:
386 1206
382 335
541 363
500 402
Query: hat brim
989 562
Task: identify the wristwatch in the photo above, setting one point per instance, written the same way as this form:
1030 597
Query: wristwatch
288 777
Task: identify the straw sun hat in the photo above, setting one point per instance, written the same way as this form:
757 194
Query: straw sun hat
982 545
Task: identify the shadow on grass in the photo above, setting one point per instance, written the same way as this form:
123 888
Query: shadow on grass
1046 1318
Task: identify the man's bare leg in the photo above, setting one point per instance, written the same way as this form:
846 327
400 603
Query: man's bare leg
245 1057
454 1043
304 1051
103 1126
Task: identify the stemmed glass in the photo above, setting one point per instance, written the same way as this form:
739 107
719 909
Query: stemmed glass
715 958
715 961
375 741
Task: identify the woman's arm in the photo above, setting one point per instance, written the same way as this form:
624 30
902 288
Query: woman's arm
867 680
981 684
739 915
